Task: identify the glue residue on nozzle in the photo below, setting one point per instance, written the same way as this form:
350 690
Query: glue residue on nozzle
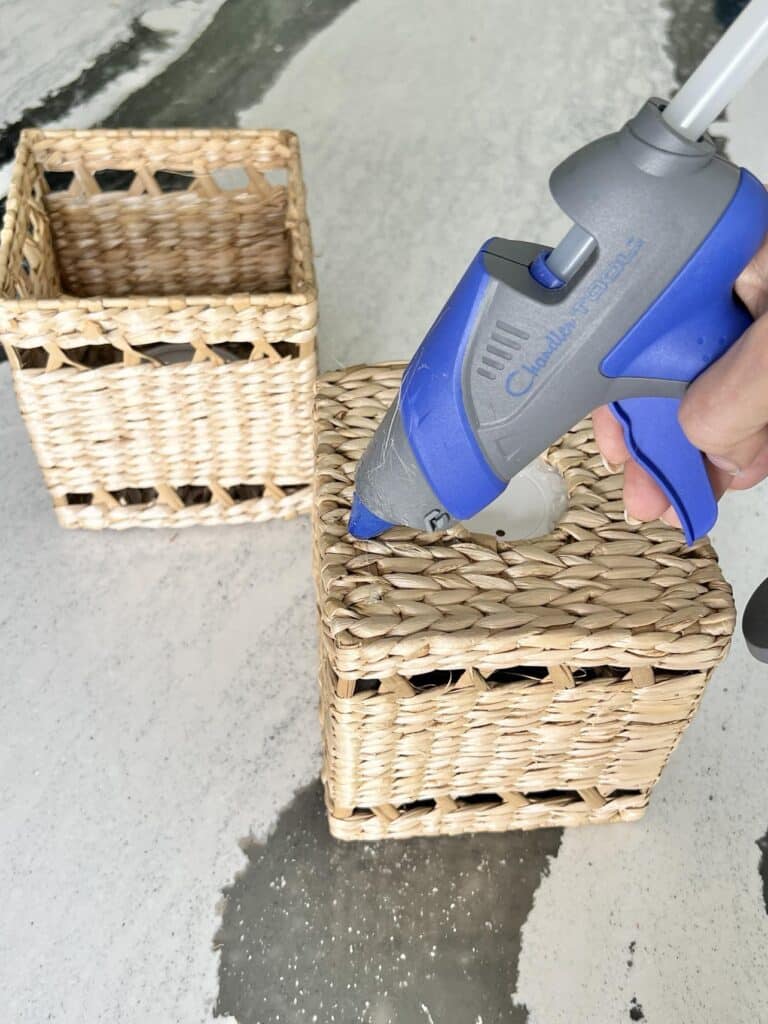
533 503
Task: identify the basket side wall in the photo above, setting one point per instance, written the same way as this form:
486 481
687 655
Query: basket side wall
396 747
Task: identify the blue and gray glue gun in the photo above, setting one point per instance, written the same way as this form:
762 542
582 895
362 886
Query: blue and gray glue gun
632 305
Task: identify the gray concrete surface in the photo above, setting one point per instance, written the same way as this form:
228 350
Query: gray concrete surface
163 853
416 931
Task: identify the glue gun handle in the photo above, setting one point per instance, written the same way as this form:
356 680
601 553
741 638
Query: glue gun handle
656 441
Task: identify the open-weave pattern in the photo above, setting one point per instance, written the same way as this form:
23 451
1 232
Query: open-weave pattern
101 431
97 288
613 630
451 817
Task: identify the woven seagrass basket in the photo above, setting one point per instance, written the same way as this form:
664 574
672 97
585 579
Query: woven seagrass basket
158 308
469 684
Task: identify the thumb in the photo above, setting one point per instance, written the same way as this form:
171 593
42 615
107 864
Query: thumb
725 411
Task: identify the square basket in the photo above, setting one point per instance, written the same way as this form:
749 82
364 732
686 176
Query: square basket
472 684
158 308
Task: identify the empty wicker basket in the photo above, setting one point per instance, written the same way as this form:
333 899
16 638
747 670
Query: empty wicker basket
471 684
158 308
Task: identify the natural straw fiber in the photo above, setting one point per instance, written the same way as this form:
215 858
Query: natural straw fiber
159 310
469 683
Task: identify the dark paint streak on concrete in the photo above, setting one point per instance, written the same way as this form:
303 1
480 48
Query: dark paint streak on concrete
403 931
694 28
230 66
763 867
636 1010
125 55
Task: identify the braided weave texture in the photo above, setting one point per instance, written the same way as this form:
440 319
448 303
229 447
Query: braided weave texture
470 683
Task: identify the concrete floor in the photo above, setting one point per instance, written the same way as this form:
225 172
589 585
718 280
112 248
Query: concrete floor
160 741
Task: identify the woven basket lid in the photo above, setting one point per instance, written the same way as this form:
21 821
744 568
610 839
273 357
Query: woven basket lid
596 591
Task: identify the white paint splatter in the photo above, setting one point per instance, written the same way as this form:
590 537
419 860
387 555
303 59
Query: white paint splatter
32 65
165 721
47 44
155 721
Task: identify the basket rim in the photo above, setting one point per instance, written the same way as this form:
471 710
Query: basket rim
225 133
25 153
171 303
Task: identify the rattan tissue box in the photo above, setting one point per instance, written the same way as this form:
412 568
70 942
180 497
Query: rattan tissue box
158 308
470 684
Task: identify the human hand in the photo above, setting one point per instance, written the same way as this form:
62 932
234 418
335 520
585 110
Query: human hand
724 413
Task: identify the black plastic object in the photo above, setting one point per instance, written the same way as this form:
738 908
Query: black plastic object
754 623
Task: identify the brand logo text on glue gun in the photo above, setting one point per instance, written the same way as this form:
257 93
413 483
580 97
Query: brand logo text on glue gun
519 382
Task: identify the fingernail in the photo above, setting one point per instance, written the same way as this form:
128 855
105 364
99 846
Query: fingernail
609 465
727 465
630 520
671 518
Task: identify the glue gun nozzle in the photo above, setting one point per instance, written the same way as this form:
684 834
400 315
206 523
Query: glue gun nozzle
363 523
